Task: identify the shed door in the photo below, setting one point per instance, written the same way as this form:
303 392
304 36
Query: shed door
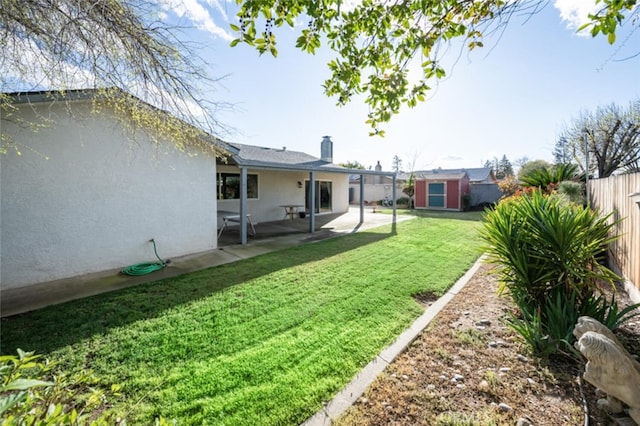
453 195
420 193
436 194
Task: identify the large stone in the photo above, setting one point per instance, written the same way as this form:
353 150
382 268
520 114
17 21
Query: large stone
609 366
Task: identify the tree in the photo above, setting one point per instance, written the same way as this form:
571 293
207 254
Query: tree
493 165
409 188
611 135
561 152
60 45
501 168
530 166
352 165
504 168
396 164
377 42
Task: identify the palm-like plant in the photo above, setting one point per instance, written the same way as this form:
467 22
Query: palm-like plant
549 177
548 253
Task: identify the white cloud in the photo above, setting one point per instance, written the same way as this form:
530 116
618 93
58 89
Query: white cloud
575 12
197 13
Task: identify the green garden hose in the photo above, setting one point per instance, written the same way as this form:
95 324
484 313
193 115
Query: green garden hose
147 267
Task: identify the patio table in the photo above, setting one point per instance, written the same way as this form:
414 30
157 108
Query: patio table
290 210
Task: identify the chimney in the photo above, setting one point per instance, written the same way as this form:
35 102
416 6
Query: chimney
326 149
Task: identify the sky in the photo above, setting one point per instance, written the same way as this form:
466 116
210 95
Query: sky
513 97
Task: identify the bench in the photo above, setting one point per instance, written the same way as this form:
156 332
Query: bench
228 217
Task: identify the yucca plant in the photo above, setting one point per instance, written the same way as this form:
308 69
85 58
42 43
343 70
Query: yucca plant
548 253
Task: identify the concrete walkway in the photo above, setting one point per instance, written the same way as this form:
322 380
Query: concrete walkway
271 236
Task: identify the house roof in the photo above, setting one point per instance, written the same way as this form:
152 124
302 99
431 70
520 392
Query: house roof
256 157
32 97
260 157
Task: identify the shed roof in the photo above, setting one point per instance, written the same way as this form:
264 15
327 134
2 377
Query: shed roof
478 174
441 175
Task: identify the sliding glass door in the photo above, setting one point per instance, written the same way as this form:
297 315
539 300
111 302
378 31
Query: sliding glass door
323 196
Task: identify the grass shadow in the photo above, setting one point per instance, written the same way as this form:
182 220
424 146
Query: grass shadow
57 326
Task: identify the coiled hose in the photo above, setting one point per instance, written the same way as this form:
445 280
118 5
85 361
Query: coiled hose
146 267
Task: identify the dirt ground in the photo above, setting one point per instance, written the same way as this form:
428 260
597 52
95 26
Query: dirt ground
468 368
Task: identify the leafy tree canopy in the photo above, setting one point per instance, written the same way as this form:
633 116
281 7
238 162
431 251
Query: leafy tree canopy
501 168
530 166
377 41
352 165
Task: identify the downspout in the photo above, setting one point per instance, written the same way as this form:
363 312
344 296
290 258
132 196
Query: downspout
312 202
243 205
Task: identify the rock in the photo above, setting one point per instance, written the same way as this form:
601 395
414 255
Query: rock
504 369
483 323
610 405
609 366
522 358
524 421
504 407
483 385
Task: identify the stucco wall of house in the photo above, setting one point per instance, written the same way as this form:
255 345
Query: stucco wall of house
375 192
85 197
277 188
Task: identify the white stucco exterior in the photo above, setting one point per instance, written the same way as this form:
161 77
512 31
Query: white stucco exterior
98 199
277 188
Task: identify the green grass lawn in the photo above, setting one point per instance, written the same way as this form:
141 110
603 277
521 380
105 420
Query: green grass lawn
262 341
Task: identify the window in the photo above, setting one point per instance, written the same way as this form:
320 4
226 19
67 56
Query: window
228 185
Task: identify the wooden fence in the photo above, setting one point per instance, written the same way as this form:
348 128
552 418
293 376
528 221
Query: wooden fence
613 195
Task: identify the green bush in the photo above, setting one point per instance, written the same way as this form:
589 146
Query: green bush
549 255
32 394
548 178
572 191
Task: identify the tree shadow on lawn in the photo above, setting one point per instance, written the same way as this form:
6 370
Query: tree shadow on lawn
57 326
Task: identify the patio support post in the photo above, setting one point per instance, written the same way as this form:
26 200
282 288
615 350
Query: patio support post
243 205
394 192
394 196
361 198
312 202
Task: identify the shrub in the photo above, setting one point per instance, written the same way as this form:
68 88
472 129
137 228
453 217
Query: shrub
548 255
547 179
573 192
31 393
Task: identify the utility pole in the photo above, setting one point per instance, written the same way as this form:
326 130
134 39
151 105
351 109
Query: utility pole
586 168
